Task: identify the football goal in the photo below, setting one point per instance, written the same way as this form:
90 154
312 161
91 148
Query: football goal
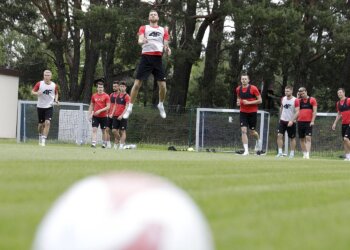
219 130
70 123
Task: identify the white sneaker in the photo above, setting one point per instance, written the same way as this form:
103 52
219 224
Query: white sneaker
115 146
245 153
109 146
161 111
307 157
346 159
42 144
279 155
121 148
127 113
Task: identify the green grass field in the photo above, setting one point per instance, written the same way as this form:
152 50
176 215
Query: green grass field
250 203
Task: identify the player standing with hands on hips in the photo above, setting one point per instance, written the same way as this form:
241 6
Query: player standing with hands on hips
47 93
154 40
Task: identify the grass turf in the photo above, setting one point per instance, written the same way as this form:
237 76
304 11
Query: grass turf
250 202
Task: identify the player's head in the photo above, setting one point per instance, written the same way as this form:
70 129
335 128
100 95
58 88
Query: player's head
341 93
153 16
115 86
122 86
288 90
47 75
244 79
100 84
302 92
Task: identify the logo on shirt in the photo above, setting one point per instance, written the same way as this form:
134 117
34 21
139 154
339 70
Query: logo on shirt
47 92
287 106
155 34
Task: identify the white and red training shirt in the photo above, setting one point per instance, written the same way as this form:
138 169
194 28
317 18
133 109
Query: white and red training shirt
48 94
288 108
155 39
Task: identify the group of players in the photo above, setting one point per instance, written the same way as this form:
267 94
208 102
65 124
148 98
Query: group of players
295 112
111 112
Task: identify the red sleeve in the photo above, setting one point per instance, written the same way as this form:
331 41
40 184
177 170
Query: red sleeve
348 102
36 86
142 30
237 91
313 102
297 103
336 106
254 90
166 34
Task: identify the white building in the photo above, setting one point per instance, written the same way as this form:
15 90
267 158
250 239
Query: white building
9 80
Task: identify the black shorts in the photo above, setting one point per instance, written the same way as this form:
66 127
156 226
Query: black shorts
109 123
283 127
99 121
120 124
248 120
150 64
304 129
44 114
345 131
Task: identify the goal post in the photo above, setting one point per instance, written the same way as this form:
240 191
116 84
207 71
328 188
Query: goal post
219 130
70 123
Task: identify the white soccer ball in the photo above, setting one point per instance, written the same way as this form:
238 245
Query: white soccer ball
124 211
190 149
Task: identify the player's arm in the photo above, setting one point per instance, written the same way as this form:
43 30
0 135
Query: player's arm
297 110
141 36
166 41
257 101
314 113
56 95
337 118
91 110
35 90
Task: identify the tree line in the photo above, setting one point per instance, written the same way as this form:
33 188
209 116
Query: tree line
278 43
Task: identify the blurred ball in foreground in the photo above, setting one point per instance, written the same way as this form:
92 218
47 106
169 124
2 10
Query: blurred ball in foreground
124 211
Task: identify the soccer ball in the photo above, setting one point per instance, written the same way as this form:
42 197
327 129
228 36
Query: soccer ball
190 149
124 211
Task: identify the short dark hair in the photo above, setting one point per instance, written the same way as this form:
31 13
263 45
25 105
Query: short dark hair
342 89
289 87
122 83
245 74
115 82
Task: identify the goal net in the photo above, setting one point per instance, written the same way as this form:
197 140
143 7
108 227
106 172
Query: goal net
70 123
219 130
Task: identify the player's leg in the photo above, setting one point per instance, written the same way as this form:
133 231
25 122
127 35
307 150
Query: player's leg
280 133
143 71
346 141
162 94
308 136
252 120
244 129
108 131
293 142
95 124
159 75
301 133
115 132
103 125
48 117
41 125
122 130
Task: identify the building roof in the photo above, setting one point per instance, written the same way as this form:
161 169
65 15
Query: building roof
9 72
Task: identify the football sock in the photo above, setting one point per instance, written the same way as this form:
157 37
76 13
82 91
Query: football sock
245 146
